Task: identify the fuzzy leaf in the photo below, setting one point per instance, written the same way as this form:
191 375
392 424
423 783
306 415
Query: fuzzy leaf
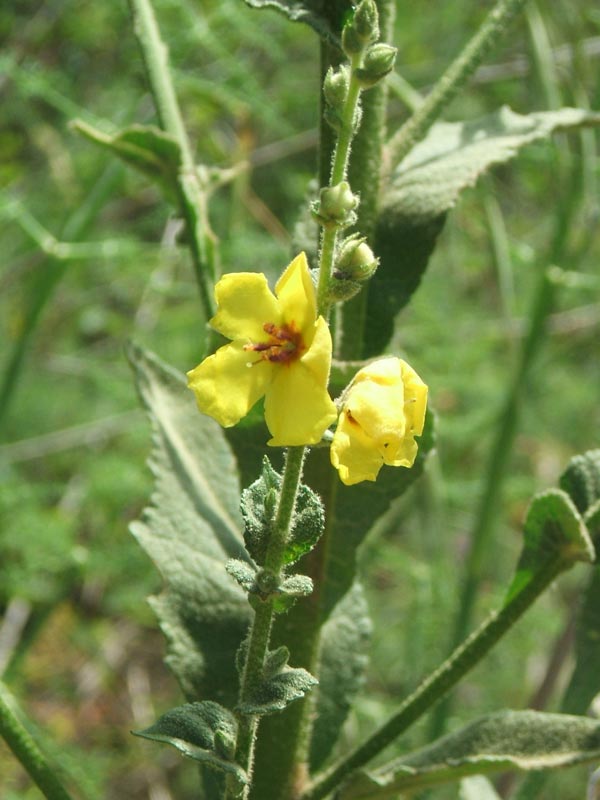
581 480
190 530
427 184
326 17
553 529
344 656
258 510
203 731
523 740
143 147
277 692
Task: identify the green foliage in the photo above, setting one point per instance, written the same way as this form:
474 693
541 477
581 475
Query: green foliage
258 506
203 731
280 686
553 531
189 531
344 658
524 740
427 184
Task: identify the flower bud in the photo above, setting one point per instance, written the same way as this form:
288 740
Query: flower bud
362 30
356 260
336 206
378 62
335 87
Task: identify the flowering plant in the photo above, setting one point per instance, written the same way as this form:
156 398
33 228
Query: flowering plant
302 430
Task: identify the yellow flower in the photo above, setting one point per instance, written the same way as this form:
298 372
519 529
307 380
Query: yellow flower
279 349
383 411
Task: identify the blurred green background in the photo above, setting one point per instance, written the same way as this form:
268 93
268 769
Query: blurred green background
78 643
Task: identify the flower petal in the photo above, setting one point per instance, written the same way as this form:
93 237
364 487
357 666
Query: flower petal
317 359
245 303
296 295
228 383
379 410
415 399
352 453
298 408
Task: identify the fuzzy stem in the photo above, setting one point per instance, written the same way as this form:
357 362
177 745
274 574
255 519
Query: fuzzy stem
339 169
365 178
434 687
457 74
192 199
260 632
27 751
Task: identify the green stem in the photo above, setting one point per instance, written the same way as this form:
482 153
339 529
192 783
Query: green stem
192 199
27 751
365 178
457 74
260 632
463 659
339 169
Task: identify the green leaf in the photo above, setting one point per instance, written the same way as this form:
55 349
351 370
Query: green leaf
258 506
344 657
581 479
277 692
203 731
144 147
191 529
553 530
326 17
427 184
523 740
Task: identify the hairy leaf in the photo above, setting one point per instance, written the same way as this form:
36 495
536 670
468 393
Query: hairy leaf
553 529
203 731
277 692
326 17
190 530
344 656
427 184
523 740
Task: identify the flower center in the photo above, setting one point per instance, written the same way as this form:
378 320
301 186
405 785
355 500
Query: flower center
284 345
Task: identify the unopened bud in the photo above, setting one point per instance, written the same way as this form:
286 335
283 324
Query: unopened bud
335 87
378 62
362 29
336 206
342 289
366 21
356 260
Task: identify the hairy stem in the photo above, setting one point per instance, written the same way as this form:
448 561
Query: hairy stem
434 687
260 633
457 74
27 751
339 169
